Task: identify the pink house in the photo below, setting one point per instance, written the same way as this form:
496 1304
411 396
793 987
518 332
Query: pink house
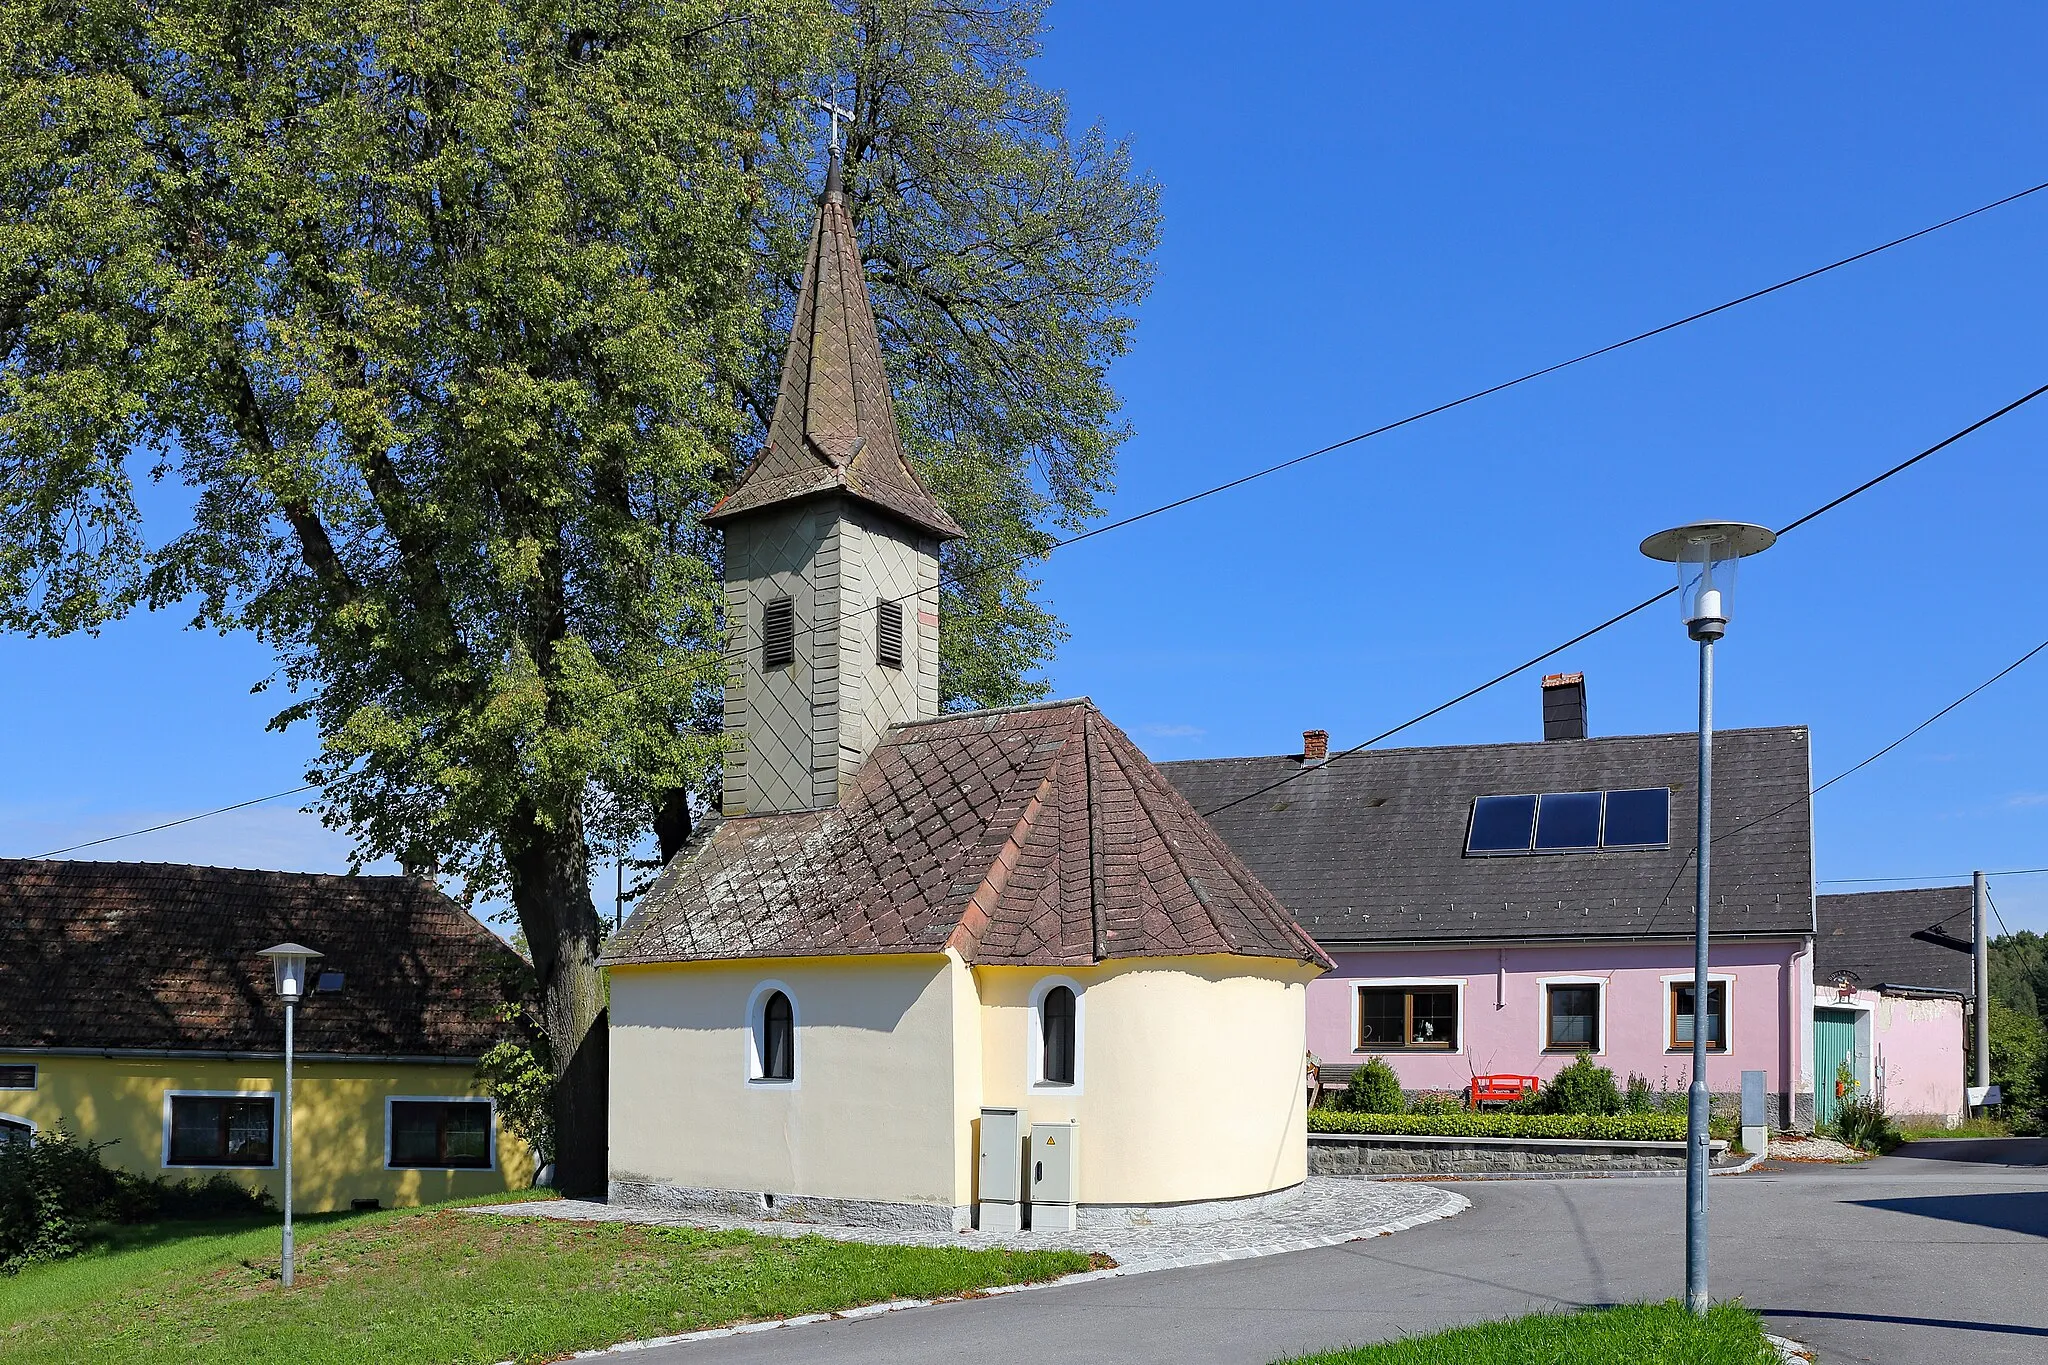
1499 908
1892 994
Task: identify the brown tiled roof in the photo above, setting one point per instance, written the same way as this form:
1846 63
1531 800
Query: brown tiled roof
834 428
1039 835
163 955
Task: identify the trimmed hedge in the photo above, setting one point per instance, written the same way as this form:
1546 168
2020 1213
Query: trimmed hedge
1585 1127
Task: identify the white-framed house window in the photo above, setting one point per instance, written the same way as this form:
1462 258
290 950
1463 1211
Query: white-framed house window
1408 1014
440 1133
235 1129
772 1034
1055 1037
15 1128
1574 1014
1678 1012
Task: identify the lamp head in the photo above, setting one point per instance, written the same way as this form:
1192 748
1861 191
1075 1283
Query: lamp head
288 967
1706 553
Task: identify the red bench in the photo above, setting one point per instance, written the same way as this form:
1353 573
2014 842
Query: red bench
1501 1089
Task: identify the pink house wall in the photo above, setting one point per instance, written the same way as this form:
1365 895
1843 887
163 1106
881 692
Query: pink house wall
1919 1052
1502 1013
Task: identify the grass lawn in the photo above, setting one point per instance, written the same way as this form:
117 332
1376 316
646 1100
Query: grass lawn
1969 1128
1637 1334
437 1285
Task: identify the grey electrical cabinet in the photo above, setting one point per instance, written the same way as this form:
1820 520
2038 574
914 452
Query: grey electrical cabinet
1055 1175
1001 1170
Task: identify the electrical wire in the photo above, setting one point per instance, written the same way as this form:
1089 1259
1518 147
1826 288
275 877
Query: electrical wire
1931 877
183 820
1619 617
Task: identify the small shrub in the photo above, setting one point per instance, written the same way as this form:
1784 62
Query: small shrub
1862 1123
1584 1087
1375 1089
1638 1098
52 1191
1586 1127
1435 1102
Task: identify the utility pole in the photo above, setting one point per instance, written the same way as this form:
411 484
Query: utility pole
1982 901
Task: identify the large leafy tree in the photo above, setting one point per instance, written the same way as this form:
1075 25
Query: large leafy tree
453 316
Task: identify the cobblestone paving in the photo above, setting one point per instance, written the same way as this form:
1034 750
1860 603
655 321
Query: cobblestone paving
1329 1210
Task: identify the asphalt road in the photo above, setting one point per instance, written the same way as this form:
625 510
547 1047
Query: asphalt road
1936 1255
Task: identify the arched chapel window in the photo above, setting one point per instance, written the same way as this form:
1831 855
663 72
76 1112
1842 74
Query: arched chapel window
1056 1018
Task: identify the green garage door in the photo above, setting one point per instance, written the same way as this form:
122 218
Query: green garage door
1834 1040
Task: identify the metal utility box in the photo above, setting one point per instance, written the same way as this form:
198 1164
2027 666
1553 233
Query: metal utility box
1001 1171
1055 1175
1756 1133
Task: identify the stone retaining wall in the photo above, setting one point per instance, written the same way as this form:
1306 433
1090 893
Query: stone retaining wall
1401 1154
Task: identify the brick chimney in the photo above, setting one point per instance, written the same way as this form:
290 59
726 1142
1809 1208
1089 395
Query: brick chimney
1315 747
1564 706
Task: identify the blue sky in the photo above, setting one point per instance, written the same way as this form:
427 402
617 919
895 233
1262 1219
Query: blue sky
1369 212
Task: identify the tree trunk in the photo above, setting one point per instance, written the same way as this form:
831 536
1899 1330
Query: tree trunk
672 822
550 875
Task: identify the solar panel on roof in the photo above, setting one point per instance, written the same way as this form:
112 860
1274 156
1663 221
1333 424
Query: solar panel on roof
1568 820
1501 824
1638 819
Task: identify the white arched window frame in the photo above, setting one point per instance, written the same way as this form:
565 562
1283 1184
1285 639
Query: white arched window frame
1034 1040
757 1038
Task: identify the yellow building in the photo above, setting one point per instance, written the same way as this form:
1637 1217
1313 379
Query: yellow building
916 943
135 1011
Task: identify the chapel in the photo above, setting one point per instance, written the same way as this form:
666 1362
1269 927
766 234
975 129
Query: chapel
925 962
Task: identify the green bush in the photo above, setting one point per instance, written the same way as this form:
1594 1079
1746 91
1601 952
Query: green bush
1374 1089
1584 1087
1862 1123
1584 1127
1638 1098
2019 1066
1432 1102
55 1190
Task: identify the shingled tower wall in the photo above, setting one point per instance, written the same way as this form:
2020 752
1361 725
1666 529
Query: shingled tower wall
831 517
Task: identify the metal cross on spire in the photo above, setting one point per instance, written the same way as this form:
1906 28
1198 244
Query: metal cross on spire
836 111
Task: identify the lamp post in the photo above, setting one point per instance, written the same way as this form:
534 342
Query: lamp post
288 965
1706 554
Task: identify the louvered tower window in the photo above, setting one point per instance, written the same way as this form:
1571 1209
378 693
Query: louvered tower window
889 634
778 634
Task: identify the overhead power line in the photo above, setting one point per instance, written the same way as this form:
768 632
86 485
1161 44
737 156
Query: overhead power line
1013 561
1411 419
182 820
1931 877
1619 617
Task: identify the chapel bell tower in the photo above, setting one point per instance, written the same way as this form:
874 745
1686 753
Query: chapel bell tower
831 555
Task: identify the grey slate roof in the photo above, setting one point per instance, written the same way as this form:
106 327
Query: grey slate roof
1870 934
1037 835
1369 848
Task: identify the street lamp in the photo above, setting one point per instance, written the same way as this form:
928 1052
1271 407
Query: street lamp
288 965
1706 554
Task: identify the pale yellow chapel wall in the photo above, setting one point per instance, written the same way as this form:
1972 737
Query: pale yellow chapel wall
1190 1081
873 1113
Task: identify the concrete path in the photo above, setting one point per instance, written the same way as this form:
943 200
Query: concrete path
1935 1256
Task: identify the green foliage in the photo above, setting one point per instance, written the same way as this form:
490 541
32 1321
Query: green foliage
1862 1122
1433 1102
1373 1089
2019 1066
1639 1098
2018 967
517 1073
1590 1127
1584 1087
56 1191
1641 1334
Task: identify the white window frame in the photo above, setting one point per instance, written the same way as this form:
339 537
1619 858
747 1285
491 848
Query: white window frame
757 1024
1034 1039
1726 980
1362 983
390 1100
1543 985
276 1117
25 1121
